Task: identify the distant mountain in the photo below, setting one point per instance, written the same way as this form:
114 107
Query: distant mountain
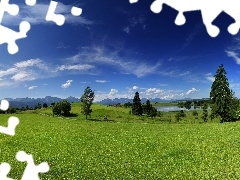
31 102
125 100
143 100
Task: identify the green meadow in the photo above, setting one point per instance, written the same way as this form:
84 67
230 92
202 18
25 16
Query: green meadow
123 146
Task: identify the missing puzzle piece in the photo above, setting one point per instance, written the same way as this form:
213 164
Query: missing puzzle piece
4 170
10 130
209 10
9 36
31 171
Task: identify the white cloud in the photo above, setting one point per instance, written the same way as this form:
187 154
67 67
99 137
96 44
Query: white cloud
135 87
126 29
99 56
36 15
29 63
32 87
62 46
149 93
22 76
101 81
113 92
191 91
78 67
67 84
234 56
209 77
7 72
184 73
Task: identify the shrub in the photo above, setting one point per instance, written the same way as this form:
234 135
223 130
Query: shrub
159 114
65 107
195 113
57 108
62 108
179 115
11 110
45 105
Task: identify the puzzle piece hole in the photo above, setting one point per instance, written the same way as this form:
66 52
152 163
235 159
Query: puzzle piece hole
76 11
4 105
180 19
30 2
13 9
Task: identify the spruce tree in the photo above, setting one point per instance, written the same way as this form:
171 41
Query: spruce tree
137 106
221 96
205 112
148 107
87 99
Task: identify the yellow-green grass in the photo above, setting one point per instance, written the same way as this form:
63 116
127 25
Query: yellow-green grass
83 149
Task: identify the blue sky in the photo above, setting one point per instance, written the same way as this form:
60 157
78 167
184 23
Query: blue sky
116 48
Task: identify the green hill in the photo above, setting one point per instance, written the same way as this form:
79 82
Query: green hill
76 148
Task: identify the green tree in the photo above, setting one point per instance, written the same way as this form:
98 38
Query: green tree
11 110
57 108
188 105
153 112
221 96
179 115
62 108
65 108
39 106
137 106
148 107
86 101
194 113
127 105
180 104
205 112
235 108
45 105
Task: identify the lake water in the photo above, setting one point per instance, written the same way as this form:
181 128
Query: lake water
173 108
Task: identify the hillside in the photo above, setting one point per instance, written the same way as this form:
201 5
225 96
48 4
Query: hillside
76 148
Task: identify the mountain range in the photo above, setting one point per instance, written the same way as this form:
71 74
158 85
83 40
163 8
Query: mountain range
31 102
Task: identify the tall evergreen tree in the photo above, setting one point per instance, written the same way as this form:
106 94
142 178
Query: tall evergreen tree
137 106
221 96
188 105
87 99
205 112
148 107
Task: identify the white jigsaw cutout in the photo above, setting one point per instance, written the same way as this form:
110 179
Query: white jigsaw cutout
4 105
51 16
4 170
209 10
31 171
12 121
76 11
30 2
12 124
59 19
7 35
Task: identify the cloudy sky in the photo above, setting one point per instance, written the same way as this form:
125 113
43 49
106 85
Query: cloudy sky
116 48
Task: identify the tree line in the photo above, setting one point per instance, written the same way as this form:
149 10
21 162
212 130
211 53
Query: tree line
222 102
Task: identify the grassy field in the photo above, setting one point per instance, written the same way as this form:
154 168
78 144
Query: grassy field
132 148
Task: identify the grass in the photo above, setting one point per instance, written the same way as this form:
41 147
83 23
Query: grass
82 149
